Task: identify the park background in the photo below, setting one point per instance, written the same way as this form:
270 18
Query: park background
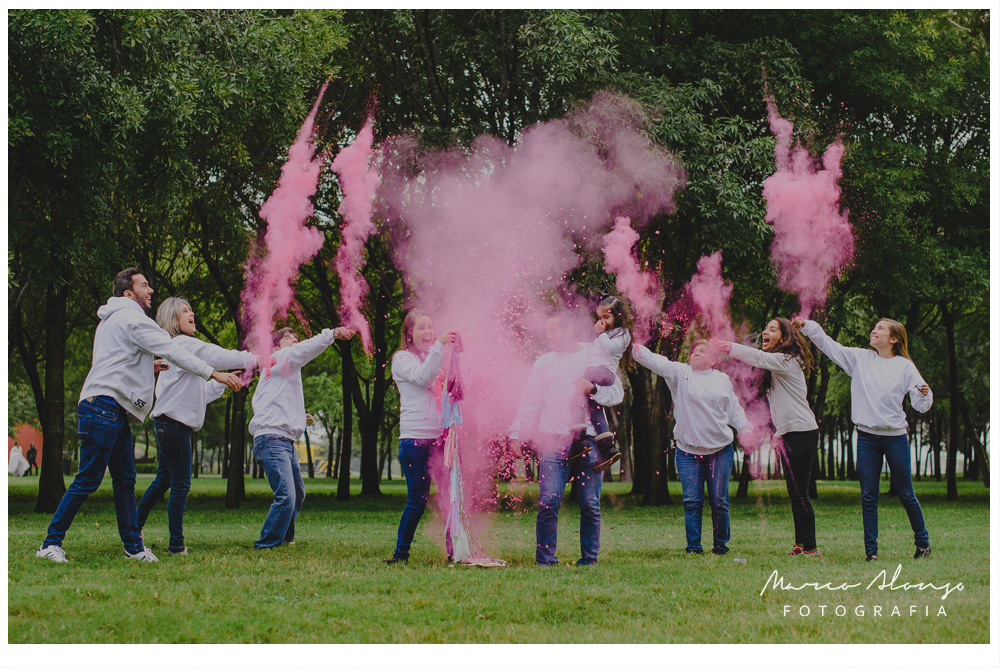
152 137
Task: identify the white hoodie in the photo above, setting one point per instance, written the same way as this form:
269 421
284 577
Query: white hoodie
787 395
279 406
878 384
125 344
181 395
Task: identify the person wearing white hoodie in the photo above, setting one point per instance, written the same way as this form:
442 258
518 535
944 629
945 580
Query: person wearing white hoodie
880 378
119 390
704 408
279 419
181 398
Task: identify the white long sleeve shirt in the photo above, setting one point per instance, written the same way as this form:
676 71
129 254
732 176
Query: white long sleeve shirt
611 346
419 413
183 396
125 344
704 403
551 403
279 406
878 384
787 395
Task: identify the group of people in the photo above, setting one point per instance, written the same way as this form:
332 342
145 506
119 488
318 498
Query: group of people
23 463
561 412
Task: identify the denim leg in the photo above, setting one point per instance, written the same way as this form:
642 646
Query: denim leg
691 471
720 468
588 496
797 453
161 483
299 488
413 460
869 470
897 455
553 474
277 455
121 466
99 426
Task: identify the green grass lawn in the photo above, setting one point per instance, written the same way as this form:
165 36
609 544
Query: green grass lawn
331 586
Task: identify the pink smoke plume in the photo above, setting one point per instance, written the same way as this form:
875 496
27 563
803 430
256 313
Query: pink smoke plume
813 239
288 243
641 288
486 238
710 294
358 181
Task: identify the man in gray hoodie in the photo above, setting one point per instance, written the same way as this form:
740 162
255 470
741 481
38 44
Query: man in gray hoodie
119 390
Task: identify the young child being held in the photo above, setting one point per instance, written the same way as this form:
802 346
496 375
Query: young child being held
612 349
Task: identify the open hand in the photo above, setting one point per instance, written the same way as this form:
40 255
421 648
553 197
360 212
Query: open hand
230 380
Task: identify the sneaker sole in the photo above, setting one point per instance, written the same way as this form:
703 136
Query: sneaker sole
606 465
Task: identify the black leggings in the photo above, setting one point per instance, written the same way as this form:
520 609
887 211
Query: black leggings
797 453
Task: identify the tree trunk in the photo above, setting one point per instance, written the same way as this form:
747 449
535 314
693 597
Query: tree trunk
236 486
309 454
982 458
226 439
953 442
344 480
639 379
331 462
659 493
51 485
625 438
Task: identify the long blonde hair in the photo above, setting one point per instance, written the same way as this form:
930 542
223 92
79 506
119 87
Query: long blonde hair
898 332
168 313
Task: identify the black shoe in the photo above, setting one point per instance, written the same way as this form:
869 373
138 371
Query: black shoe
922 552
871 557
396 559
608 459
717 552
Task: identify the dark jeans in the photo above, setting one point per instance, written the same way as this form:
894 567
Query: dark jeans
422 460
173 472
798 452
598 375
895 450
105 443
554 472
694 471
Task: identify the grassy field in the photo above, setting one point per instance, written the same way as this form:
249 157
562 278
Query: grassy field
331 586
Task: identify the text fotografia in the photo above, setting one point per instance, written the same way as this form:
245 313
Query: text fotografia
862 610
880 582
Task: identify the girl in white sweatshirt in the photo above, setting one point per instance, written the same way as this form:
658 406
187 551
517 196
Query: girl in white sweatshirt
704 408
179 411
880 378
786 356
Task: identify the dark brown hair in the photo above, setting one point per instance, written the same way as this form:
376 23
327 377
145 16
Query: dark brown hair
406 331
793 344
621 319
123 281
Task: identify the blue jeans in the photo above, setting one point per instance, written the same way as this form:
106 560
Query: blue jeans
173 472
554 472
422 460
105 442
694 471
281 466
896 451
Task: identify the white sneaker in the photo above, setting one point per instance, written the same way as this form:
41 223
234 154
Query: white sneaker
52 552
145 555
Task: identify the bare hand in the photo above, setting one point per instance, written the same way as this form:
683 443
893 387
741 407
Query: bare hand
924 389
343 333
720 347
748 440
797 323
230 380
448 337
584 385
309 420
160 365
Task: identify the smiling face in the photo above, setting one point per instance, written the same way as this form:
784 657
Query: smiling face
770 337
140 293
287 339
423 333
185 320
881 337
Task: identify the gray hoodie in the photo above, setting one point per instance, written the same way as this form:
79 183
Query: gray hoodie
125 344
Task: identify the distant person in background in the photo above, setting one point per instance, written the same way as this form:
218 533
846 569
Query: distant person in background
181 398
18 464
279 418
32 459
119 390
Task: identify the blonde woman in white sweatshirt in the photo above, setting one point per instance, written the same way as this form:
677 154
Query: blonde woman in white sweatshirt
179 411
880 377
279 419
785 355
704 408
